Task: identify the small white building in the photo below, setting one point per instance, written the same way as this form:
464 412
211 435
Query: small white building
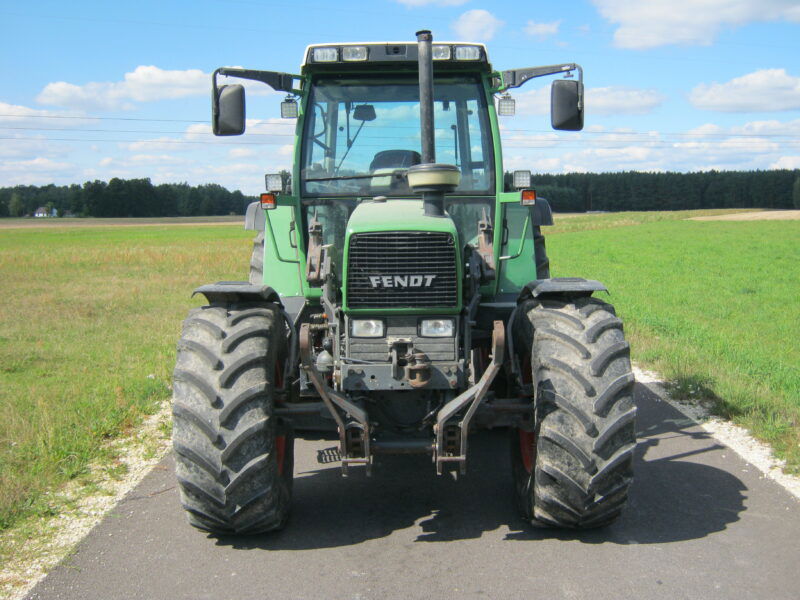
43 212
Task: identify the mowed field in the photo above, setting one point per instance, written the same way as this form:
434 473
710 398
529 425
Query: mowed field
91 315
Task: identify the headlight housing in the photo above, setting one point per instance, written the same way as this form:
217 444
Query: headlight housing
437 328
366 328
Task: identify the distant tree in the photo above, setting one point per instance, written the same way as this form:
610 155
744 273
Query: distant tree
16 208
796 192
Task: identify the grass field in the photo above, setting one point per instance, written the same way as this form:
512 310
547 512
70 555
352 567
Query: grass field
714 306
88 326
91 315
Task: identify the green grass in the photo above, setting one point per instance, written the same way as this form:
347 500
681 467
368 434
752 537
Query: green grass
713 306
88 326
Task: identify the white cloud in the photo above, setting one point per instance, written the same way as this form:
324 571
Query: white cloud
542 30
16 114
476 25
612 100
615 100
694 22
146 83
242 153
143 84
764 90
752 145
786 162
416 3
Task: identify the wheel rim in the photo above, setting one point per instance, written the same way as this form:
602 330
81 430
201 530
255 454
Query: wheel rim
280 452
527 449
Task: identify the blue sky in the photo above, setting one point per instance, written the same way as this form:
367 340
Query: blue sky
95 90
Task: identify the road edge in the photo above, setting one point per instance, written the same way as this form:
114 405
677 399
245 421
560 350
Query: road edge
736 438
54 538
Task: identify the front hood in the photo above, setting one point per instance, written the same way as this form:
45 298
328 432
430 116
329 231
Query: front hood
396 215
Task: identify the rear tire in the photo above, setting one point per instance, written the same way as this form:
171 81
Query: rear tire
233 459
574 469
257 260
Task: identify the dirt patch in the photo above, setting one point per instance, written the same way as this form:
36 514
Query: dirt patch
762 215
27 223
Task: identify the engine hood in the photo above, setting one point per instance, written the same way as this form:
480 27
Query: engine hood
396 215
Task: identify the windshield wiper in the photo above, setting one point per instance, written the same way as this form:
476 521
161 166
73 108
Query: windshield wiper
396 173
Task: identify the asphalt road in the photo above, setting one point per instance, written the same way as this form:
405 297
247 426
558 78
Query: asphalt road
701 523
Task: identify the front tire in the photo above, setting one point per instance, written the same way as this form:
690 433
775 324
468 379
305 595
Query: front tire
257 260
574 469
233 459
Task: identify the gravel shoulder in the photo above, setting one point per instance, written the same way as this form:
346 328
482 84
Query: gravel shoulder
763 215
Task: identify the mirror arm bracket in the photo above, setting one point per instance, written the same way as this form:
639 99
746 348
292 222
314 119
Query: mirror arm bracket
517 77
280 82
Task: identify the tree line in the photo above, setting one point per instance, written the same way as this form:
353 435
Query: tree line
570 192
123 198
632 190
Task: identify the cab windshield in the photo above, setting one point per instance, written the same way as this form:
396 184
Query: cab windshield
361 135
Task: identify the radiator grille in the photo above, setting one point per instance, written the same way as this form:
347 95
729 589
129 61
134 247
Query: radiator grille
378 259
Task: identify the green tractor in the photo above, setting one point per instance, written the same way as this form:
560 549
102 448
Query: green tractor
400 302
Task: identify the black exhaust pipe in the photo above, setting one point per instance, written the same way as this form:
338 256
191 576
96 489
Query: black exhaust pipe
425 60
429 178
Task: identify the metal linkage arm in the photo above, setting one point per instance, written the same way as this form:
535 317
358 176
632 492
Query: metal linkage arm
333 399
472 397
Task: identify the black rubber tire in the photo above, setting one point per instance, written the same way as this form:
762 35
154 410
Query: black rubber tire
257 260
233 459
575 468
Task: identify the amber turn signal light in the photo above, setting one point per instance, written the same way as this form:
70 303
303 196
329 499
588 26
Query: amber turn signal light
527 197
268 201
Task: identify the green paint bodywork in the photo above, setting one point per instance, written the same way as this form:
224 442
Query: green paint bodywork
286 237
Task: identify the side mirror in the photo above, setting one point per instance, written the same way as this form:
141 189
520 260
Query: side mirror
364 112
566 105
227 110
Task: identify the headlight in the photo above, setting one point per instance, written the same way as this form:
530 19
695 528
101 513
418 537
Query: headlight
436 328
366 328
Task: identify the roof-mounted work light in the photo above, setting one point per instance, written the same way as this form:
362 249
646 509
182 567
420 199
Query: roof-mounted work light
522 180
506 106
440 52
289 108
468 53
274 182
354 53
325 54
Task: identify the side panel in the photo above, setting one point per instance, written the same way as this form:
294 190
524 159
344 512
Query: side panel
518 260
282 265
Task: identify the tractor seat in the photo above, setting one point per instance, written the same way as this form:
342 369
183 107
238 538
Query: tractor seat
395 159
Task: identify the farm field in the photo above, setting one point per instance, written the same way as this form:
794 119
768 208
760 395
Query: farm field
91 316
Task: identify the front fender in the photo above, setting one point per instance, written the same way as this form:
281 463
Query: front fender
560 285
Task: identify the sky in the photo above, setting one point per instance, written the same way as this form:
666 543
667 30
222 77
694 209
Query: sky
95 90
